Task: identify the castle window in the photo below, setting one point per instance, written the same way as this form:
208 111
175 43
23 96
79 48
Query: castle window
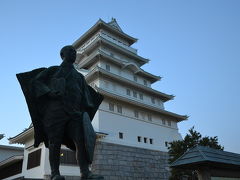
169 123
128 92
163 121
151 141
119 109
120 135
166 143
145 82
141 96
145 140
153 100
135 94
107 67
136 114
142 115
111 106
139 139
135 78
149 117
34 159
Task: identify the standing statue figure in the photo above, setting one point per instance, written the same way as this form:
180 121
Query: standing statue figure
62 106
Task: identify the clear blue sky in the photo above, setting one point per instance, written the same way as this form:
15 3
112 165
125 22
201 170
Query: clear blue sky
193 45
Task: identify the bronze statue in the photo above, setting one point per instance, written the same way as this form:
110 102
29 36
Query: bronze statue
62 105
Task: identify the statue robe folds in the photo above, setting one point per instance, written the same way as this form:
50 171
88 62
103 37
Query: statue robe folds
36 100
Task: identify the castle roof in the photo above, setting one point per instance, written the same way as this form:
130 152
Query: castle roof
112 27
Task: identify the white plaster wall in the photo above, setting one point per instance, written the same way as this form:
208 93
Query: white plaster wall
126 73
112 123
119 56
46 164
95 121
69 170
109 85
128 110
104 32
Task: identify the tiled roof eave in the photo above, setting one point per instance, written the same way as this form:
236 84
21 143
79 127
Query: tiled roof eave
20 138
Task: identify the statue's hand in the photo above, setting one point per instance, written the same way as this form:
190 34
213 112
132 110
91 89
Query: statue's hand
55 94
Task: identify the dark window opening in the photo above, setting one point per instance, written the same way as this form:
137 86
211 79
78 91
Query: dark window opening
111 106
107 67
120 135
166 143
119 109
139 138
34 159
128 92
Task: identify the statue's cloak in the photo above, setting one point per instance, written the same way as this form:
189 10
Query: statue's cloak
92 100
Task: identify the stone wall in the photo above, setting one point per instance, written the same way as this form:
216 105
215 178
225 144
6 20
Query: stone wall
119 162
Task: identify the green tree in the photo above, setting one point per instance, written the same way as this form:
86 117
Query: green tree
178 148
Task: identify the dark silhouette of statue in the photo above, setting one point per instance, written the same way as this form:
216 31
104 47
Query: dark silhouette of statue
62 105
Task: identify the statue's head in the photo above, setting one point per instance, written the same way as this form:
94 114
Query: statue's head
68 53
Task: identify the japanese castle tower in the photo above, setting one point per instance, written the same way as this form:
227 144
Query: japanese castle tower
132 124
132 113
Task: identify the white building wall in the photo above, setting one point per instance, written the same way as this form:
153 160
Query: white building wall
125 73
112 124
95 122
120 89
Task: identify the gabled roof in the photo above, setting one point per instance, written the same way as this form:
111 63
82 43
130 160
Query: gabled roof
206 156
113 27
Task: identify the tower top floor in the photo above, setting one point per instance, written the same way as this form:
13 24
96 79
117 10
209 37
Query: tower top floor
112 27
